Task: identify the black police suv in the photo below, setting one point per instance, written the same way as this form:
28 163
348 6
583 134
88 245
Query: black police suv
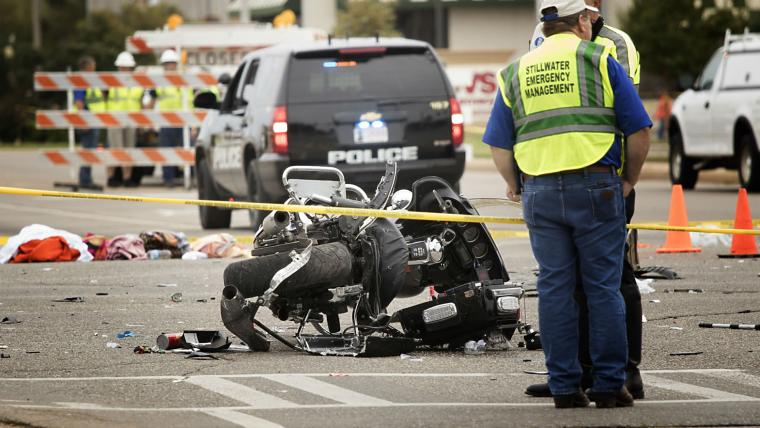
352 104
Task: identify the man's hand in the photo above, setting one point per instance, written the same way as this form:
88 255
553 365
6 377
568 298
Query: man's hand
627 188
512 196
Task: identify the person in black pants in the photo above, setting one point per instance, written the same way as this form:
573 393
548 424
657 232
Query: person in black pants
630 291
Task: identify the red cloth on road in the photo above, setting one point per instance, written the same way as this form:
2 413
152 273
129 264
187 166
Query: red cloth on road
53 249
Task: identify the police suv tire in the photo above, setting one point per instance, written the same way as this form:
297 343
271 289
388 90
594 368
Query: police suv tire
254 195
211 218
329 266
749 164
680 166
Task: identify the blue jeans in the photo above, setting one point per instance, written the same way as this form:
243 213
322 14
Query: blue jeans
169 137
579 217
88 138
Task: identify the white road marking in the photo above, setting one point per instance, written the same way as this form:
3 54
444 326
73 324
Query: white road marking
737 377
710 393
327 390
242 419
256 399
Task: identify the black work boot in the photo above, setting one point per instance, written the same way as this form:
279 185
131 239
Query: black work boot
568 401
608 400
542 389
633 383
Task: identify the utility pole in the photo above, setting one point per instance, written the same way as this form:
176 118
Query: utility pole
438 24
245 12
36 27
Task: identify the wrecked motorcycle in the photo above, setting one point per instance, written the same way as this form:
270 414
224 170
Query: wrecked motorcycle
311 268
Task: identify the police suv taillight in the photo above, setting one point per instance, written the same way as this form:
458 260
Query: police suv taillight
457 122
279 131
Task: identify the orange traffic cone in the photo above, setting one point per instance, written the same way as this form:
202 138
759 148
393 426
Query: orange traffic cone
678 242
742 246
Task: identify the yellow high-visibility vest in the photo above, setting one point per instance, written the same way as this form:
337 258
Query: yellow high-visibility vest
562 105
125 99
94 100
622 49
171 98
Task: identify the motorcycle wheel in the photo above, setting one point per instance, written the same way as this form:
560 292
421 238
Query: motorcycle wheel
329 266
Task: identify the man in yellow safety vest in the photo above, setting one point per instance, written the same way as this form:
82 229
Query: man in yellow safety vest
119 100
94 100
622 49
557 115
169 99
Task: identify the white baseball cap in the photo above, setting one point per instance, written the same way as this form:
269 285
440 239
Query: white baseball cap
554 9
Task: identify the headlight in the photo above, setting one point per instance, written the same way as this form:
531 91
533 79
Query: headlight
439 313
507 304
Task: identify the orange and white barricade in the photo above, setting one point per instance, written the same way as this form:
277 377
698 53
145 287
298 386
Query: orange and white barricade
165 156
71 120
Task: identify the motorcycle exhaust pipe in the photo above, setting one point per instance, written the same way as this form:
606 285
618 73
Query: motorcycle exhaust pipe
275 223
237 316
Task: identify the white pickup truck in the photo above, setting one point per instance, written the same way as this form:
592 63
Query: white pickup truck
717 122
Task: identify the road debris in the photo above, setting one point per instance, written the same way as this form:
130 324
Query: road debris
338 375
167 341
112 345
680 354
475 348
686 290
166 285
101 294
645 286
205 340
10 319
654 301
74 299
730 326
198 355
176 297
125 334
658 272
676 328
412 358
4 355
536 372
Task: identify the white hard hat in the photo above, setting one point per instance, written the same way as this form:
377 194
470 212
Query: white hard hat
169 55
125 59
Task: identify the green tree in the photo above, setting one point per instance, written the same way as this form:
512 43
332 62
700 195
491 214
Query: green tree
677 37
67 34
366 18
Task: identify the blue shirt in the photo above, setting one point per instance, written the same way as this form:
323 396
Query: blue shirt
81 95
629 111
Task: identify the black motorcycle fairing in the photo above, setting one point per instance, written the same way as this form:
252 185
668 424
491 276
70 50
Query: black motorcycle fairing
473 246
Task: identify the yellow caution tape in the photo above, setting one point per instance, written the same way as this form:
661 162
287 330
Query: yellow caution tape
313 209
324 210
694 229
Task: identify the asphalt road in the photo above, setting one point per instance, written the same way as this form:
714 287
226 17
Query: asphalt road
59 371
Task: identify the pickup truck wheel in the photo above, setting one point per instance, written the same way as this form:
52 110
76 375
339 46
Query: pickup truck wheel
749 164
211 218
254 195
681 166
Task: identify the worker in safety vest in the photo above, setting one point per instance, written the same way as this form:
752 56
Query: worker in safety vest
119 100
94 100
621 48
169 99
556 117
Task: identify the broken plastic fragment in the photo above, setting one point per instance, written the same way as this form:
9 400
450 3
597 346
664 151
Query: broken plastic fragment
112 345
126 333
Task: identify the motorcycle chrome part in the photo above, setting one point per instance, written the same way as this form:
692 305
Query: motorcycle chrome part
439 313
303 188
507 304
299 260
357 191
401 199
447 236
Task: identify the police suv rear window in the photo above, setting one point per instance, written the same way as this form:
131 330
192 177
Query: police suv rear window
370 75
